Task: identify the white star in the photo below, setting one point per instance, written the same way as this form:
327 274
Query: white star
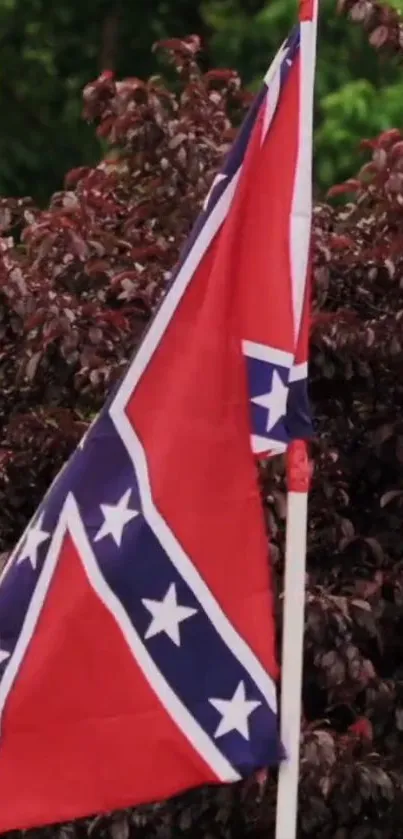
275 401
167 615
4 655
116 516
35 536
235 712
217 180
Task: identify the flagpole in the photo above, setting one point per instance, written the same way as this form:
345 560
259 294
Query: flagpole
298 474
298 468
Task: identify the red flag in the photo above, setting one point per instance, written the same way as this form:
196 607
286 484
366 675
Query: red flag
137 653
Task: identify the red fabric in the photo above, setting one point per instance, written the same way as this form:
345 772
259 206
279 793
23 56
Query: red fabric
306 9
108 741
104 725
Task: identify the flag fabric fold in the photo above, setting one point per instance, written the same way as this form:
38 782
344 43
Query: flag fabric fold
137 649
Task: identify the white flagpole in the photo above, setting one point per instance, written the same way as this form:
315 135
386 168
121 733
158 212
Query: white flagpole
298 470
293 635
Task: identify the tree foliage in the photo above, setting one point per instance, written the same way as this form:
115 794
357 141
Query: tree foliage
78 283
48 52
357 93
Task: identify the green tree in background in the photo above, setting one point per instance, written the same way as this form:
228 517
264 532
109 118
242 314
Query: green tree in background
49 51
358 92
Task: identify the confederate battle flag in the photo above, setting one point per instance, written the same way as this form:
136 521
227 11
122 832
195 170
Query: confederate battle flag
137 654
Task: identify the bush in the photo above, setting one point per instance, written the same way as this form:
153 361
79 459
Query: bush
79 282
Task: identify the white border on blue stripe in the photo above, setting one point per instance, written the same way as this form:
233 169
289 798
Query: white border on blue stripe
263 352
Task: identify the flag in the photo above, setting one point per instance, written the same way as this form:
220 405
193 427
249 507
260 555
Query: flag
137 650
